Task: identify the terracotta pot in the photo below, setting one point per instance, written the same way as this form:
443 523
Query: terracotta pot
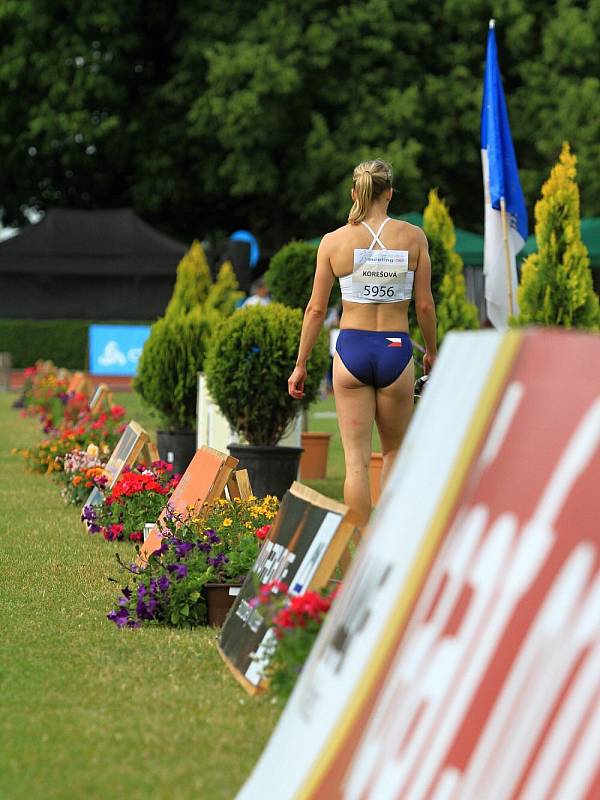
313 463
375 468
219 599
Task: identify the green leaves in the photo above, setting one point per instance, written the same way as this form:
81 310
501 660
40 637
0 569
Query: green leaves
556 284
257 114
249 360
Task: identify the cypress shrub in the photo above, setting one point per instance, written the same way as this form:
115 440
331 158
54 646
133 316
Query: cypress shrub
172 357
192 283
454 310
248 363
225 293
556 282
290 275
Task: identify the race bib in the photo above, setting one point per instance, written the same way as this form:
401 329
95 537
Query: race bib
379 275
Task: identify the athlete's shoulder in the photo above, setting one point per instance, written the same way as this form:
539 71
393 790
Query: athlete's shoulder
410 231
335 237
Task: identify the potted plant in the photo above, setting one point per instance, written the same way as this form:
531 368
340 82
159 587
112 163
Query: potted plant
167 379
213 551
248 362
290 279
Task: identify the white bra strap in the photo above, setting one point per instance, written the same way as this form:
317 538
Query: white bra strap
375 236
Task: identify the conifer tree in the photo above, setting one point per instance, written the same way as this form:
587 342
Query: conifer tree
556 282
454 310
225 292
193 282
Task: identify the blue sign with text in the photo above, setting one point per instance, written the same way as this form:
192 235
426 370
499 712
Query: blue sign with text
116 349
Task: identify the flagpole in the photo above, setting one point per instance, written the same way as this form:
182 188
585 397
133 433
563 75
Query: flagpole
504 218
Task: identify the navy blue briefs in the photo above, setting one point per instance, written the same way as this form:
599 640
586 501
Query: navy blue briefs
376 358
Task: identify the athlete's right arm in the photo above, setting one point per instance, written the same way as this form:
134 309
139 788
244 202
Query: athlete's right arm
314 316
424 305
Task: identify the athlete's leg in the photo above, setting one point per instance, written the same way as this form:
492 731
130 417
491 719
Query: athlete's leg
355 405
394 406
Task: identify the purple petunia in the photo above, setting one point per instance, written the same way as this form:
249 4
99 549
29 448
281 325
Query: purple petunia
179 570
183 548
205 547
164 583
218 560
212 536
120 617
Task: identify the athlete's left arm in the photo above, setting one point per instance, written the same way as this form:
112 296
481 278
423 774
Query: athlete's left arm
314 316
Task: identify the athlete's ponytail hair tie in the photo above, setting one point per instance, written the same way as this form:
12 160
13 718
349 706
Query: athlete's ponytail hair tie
369 180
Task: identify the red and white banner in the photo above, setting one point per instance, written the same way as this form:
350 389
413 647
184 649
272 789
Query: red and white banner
491 686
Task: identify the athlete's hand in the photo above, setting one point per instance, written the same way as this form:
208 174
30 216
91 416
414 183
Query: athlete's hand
428 361
296 383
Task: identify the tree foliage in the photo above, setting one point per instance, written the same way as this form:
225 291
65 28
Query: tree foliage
225 293
173 355
192 284
210 117
556 284
249 359
454 310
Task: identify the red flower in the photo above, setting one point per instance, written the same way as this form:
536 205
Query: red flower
135 536
262 533
117 412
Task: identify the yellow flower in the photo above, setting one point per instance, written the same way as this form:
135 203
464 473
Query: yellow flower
227 522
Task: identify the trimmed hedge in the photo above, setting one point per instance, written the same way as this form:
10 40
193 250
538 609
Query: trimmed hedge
63 341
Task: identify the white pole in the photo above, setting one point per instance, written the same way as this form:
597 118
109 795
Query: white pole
504 217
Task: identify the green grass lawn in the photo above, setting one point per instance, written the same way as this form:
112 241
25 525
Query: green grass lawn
86 710
90 711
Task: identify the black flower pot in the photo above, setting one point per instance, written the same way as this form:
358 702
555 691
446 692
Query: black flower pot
271 470
176 447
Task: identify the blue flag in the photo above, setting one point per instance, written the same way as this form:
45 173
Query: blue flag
501 180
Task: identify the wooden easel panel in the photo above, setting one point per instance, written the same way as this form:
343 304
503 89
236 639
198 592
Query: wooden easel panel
347 555
305 543
128 450
239 485
203 482
78 383
149 453
130 445
101 395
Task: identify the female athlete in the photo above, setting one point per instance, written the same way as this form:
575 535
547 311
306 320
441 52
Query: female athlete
378 262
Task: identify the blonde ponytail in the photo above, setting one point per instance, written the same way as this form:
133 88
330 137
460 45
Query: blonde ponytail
369 180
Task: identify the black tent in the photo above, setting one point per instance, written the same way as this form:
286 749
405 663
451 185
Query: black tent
97 265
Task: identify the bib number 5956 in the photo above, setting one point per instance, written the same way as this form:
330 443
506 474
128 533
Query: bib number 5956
377 291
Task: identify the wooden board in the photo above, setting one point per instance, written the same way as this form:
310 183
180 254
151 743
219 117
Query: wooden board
133 446
239 485
203 481
78 383
101 395
305 544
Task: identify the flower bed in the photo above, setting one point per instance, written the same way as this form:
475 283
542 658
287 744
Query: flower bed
220 545
296 621
82 470
138 497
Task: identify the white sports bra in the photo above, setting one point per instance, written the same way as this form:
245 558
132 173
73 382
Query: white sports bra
379 276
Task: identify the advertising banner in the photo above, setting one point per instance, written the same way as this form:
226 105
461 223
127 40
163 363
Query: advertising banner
116 349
